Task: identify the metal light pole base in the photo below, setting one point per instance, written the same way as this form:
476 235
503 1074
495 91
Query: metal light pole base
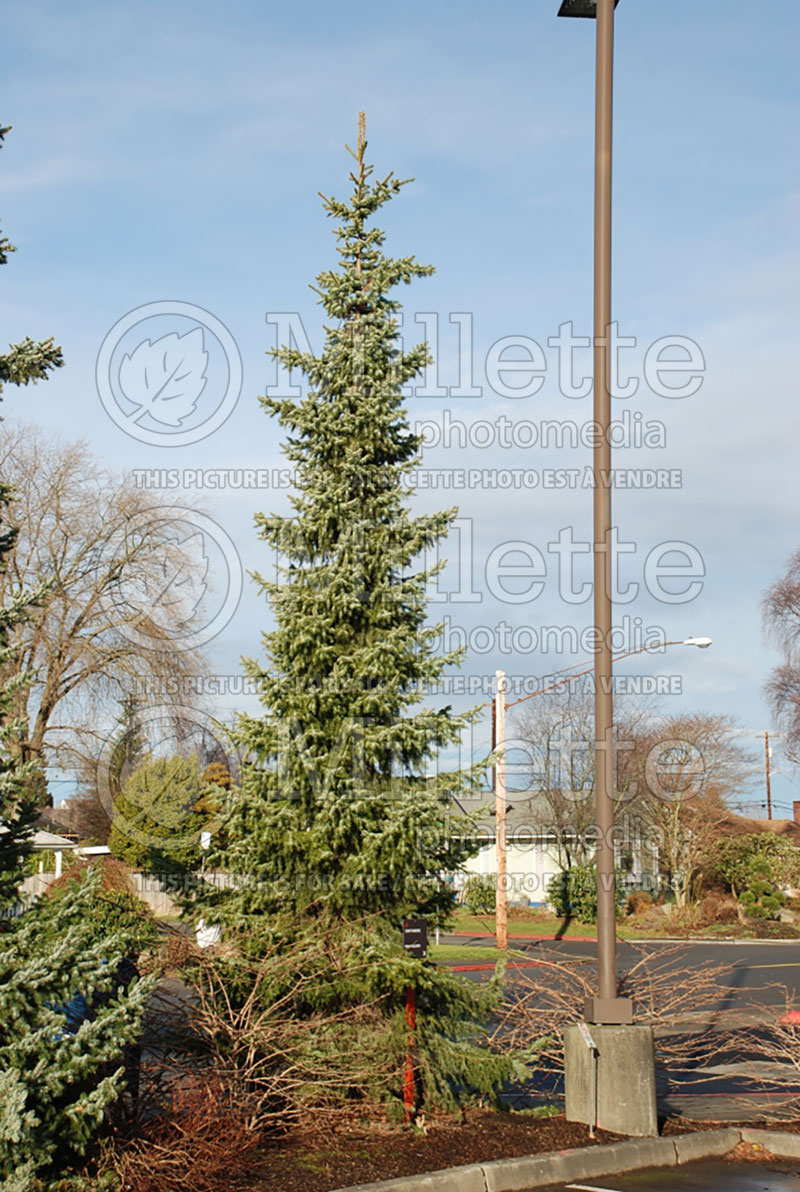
614 1011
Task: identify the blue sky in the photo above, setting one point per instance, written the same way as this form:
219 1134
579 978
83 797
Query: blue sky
173 153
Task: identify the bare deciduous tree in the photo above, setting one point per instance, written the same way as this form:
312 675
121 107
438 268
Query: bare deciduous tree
86 816
674 775
124 581
687 767
556 731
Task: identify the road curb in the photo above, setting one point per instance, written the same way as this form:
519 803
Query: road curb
705 1144
777 1142
516 1175
555 1167
486 966
455 1179
592 939
733 940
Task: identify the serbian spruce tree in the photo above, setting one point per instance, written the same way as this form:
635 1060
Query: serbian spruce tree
56 1076
340 825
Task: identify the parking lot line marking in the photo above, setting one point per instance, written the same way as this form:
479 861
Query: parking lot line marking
589 1188
783 964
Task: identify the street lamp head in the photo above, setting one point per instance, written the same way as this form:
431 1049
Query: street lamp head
580 8
702 642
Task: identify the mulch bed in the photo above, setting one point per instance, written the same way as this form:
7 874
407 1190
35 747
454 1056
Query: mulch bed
320 1162
317 1161
351 1151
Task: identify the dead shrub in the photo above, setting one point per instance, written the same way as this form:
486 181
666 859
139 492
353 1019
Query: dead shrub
773 1049
114 874
719 908
238 1055
529 912
255 1032
539 1003
282 1064
177 948
201 1140
638 902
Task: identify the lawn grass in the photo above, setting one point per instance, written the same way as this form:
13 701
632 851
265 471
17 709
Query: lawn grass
478 954
462 954
542 923
535 923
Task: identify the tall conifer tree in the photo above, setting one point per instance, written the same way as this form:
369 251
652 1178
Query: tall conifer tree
338 807
64 1020
341 820
20 792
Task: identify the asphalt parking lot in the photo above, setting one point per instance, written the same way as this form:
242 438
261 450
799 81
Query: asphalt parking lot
761 978
708 1176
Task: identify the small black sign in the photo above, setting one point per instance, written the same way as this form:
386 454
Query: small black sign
415 937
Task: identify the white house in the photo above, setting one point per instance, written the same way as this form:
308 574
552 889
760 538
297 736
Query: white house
538 847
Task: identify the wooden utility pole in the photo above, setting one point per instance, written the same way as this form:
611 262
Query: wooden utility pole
501 896
767 774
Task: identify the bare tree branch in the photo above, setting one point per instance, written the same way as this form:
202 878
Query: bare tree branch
104 628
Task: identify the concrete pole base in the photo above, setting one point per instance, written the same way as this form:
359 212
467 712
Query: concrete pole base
612 1085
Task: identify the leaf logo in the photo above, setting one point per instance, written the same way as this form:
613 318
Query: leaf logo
165 377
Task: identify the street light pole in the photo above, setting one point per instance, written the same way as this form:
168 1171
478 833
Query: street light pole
626 1067
602 1010
607 1007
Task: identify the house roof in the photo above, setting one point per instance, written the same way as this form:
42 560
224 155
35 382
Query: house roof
524 810
531 810
52 818
43 840
739 825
